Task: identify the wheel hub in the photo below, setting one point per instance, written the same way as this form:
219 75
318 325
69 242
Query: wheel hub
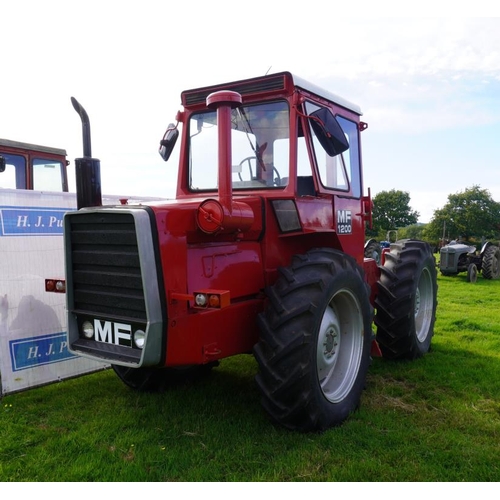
331 342
417 301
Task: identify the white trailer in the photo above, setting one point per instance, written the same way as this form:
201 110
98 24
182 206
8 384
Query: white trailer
33 200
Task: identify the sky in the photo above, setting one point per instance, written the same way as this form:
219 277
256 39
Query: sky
429 87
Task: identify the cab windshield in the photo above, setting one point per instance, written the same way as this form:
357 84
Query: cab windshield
260 147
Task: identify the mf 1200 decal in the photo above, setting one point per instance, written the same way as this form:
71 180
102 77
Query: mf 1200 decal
344 222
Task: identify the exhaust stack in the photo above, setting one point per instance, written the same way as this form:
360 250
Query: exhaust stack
87 169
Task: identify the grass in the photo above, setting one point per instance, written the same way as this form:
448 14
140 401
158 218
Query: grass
434 419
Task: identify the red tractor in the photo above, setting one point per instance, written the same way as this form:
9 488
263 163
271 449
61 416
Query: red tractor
262 250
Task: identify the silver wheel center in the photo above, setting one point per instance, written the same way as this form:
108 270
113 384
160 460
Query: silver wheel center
339 346
417 301
331 342
424 298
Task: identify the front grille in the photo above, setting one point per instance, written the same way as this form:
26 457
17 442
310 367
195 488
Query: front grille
448 259
105 266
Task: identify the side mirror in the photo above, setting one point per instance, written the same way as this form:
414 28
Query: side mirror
2 164
168 142
329 132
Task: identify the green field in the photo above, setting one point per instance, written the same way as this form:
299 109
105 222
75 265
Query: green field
434 419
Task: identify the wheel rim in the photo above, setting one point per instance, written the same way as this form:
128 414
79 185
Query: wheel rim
424 300
340 346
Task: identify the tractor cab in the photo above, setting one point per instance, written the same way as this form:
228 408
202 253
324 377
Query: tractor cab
30 166
261 143
284 140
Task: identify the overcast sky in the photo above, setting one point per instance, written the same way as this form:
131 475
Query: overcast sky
429 87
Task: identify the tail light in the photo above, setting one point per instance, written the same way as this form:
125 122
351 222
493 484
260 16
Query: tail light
55 285
212 299
205 299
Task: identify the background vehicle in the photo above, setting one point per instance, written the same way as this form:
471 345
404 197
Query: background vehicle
33 199
458 258
261 251
34 167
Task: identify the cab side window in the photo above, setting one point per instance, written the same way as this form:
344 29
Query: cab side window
340 172
47 175
14 176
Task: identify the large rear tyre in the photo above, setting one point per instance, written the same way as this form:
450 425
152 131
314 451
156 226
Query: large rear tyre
314 349
406 300
490 264
158 379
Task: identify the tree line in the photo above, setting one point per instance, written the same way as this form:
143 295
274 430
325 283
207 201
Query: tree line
471 215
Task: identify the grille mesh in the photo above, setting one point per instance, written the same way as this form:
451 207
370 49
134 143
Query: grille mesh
105 266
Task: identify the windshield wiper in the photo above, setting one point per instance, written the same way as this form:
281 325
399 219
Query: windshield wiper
258 150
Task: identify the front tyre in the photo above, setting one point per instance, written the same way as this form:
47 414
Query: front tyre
314 349
472 273
406 300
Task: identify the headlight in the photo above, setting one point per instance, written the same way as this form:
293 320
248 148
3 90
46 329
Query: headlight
200 300
139 338
88 329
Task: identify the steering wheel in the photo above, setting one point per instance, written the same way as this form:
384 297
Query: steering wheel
248 159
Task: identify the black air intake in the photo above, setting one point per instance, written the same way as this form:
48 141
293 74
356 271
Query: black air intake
106 268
